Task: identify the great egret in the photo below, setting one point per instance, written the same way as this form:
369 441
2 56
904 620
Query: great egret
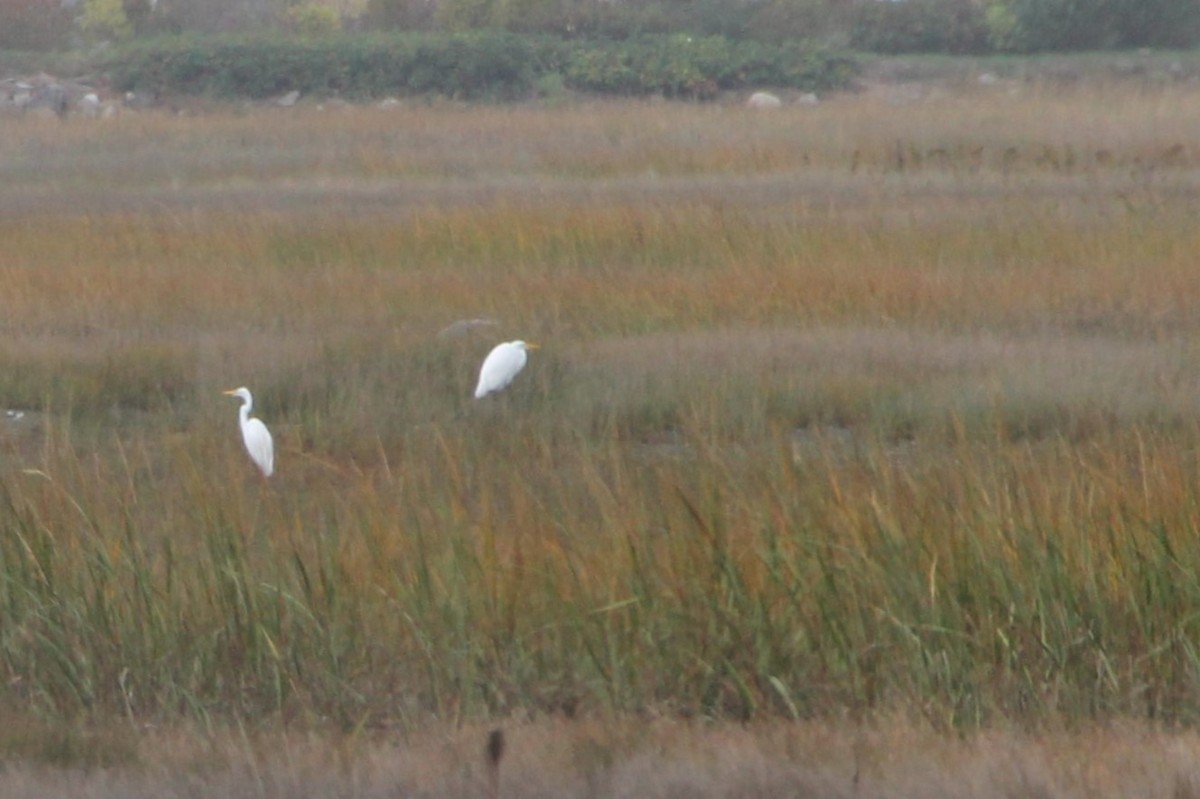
502 364
255 434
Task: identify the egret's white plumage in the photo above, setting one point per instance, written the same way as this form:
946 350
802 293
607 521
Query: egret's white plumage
502 364
255 434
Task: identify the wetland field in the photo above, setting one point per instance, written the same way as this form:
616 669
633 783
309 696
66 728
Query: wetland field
861 455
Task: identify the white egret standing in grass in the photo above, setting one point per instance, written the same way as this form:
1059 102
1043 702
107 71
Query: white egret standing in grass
502 364
255 434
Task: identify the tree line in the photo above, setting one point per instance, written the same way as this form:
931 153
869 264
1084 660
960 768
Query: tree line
880 26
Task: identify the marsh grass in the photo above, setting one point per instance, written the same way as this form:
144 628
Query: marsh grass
819 427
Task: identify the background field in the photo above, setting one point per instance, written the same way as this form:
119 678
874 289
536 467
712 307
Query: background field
880 408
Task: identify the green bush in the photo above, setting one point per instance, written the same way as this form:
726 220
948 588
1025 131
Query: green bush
760 20
686 66
478 65
491 65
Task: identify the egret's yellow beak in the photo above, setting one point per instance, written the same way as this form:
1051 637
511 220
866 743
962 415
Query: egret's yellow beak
530 345
230 392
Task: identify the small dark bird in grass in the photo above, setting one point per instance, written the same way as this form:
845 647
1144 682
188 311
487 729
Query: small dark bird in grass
495 751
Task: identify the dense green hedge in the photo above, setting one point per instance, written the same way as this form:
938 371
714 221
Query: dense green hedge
686 66
472 65
488 65
942 26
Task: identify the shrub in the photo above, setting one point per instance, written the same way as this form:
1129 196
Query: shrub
491 65
686 66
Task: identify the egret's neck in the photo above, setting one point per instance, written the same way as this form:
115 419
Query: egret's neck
245 410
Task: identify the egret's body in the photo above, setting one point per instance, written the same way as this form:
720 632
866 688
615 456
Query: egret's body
255 434
502 364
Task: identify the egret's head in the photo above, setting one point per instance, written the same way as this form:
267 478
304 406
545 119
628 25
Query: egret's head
243 393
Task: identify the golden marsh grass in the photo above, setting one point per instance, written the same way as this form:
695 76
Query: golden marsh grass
844 411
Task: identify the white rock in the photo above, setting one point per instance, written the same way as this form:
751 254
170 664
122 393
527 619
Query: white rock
89 104
289 99
763 100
